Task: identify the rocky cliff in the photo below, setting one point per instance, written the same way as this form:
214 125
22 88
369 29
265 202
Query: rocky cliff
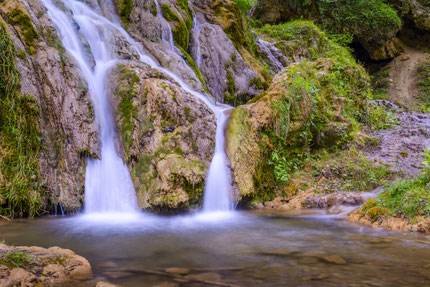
47 119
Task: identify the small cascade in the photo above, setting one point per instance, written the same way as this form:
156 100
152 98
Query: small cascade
196 41
108 184
166 23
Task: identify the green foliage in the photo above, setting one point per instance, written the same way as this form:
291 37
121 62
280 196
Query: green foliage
197 72
245 5
380 118
380 84
181 29
410 197
124 11
127 109
16 260
358 17
372 211
348 170
23 21
19 138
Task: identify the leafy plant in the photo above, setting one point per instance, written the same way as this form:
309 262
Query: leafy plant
17 259
245 5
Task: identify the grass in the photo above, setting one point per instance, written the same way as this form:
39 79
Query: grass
410 197
344 170
19 138
16 260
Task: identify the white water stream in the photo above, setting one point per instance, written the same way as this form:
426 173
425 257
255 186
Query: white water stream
108 186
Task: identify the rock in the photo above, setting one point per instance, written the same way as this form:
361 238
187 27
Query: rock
334 259
377 37
206 276
177 270
65 117
105 284
415 10
254 128
19 277
423 226
168 168
168 284
49 267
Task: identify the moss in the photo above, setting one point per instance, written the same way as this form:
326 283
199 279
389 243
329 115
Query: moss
230 95
258 84
372 211
124 11
126 107
297 39
20 139
197 72
23 21
153 9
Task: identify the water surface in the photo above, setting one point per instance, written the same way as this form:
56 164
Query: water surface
241 249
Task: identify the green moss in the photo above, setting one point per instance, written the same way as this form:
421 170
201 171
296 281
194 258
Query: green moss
196 70
359 16
124 11
298 39
126 107
372 211
23 21
153 9
258 84
230 95
409 197
19 138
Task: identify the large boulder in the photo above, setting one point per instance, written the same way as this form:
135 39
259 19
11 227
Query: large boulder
167 135
373 24
37 266
309 104
45 140
416 10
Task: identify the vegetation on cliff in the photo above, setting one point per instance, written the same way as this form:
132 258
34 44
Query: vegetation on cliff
19 138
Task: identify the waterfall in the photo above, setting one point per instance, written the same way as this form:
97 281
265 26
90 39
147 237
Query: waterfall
196 34
108 186
163 20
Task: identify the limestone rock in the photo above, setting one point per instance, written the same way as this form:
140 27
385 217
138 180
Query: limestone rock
167 135
66 118
45 267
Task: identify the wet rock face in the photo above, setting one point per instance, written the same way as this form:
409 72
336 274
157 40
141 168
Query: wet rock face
222 66
168 137
41 267
146 25
66 117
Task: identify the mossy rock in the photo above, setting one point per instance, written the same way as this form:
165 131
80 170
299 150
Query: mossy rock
310 104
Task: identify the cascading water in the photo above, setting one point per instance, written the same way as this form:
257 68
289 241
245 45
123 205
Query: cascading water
164 21
108 185
196 34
